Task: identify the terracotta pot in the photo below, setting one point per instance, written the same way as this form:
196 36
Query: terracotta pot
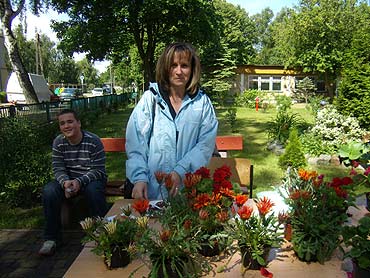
120 258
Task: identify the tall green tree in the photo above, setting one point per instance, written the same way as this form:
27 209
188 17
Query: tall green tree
8 11
86 68
354 90
106 29
316 37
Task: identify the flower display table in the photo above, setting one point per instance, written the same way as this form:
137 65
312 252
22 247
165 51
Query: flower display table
284 263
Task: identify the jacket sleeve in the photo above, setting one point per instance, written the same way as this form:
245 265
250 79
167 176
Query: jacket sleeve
137 135
201 153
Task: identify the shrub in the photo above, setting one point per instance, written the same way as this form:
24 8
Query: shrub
247 98
335 129
314 104
313 145
25 164
280 127
2 97
231 118
293 156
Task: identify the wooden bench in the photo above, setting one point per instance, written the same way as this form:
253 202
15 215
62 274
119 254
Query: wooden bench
242 168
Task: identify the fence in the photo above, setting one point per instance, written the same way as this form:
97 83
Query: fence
47 111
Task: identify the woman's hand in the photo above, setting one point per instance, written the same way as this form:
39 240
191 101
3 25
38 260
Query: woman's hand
140 190
176 181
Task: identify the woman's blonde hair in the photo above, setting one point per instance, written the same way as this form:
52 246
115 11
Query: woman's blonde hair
165 61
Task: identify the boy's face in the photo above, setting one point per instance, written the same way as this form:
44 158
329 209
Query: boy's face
69 126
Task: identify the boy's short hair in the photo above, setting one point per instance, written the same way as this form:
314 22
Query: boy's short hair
68 111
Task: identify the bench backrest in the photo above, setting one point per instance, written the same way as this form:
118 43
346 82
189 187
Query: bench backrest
224 143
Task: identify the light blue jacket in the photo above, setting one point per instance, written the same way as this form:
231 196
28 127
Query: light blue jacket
196 124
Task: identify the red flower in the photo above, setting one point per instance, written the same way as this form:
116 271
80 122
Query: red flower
240 199
336 182
264 205
367 171
204 172
187 224
347 181
245 212
221 174
266 273
355 163
141 206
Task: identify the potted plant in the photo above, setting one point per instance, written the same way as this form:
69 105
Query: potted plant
210 200
172 248
357 238
114 240
255 233
318 210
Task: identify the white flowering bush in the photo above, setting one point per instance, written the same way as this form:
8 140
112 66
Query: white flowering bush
334 129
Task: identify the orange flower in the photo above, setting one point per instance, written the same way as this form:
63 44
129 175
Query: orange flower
215 199
306 175
141 206
165 235
227 192
245 212
202 200
203 214
222 216
160 176
168 182
264 205
240 199
191 180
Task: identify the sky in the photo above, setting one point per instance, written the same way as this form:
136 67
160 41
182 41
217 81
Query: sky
42 23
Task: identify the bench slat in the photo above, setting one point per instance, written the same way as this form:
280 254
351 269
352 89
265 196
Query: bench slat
224 143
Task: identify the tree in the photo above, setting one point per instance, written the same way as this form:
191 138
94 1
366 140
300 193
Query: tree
108 28
354 90
8 13
316 36
305 89
86 68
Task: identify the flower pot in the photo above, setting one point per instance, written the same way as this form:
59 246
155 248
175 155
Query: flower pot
359 272
174 270
209 250
288 232
249 262
120 258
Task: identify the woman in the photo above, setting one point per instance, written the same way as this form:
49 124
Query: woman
173 127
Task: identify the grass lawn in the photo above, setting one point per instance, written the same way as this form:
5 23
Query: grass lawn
250 124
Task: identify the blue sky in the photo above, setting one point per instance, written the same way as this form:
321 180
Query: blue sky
256 6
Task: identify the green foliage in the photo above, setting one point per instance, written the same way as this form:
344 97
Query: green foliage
305 89
354 151
25 166
280 127
2 97
293 156
283 103
313 145
248 98
314 104
231 118
357 237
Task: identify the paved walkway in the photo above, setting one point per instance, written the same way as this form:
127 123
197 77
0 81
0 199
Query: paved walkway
19 258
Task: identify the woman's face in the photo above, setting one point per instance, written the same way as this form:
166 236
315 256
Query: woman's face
180 71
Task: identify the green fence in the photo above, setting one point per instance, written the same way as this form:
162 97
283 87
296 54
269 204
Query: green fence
47 111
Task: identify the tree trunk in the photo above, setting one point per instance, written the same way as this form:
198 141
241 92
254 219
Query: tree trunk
7 16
